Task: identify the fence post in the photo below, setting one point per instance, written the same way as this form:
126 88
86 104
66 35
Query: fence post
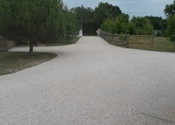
152 41
127 38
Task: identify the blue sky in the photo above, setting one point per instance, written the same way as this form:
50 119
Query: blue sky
131 7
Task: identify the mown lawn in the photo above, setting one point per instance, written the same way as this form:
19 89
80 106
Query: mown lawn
160 44
11 62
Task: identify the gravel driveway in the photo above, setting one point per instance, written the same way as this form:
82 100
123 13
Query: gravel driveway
91 83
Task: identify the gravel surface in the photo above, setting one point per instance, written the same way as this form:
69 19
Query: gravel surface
91 83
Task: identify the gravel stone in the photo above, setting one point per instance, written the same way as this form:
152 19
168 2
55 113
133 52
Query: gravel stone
91 83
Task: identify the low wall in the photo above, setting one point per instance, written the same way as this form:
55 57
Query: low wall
5 44
10 44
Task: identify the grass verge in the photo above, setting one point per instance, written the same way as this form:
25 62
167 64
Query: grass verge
160 44
11 62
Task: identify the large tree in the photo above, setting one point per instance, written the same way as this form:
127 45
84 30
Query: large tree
33 20
171 29
143 26
170 13
120 24
157 22
71 26
104 11
85 18
170 9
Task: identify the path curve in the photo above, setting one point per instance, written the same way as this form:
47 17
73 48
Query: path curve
91 83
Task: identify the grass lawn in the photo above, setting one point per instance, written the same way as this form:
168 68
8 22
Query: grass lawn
160 44
11 62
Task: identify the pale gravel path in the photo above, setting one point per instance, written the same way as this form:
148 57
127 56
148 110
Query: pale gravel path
91 83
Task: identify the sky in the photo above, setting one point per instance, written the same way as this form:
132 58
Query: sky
131 7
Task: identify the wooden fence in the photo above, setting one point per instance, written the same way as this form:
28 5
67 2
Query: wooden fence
126 40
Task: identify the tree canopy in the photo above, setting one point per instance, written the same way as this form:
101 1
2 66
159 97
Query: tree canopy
36 20
85 19
170 9
104 11
47 20
33 20
70 24
122 25
170 13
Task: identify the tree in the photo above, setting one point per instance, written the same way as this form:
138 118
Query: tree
143 26
33 20
105 11
71 26
157 22
170 13
85 18
132 28
107 25
171 29
120 25
170 10
148 29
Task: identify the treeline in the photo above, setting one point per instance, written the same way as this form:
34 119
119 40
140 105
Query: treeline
170 13
48 20
91 19
36 21
137 25
111 19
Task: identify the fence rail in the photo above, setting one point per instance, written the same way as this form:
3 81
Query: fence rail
127 40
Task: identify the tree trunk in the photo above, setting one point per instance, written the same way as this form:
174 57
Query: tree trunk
31 47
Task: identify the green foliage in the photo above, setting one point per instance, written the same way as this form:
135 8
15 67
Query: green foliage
85 17
71 26
33 20
132 28
170 9
139 21
108 25
157 22
122 25
171 28
119 25
105 11
143 26
170 13
148 29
